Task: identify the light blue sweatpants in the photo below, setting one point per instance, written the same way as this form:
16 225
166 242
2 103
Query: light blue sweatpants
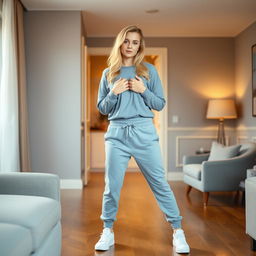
135 137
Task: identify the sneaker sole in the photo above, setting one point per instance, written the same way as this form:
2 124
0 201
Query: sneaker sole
104 248
182 251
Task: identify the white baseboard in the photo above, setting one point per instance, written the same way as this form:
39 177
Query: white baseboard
171 176
71 184
136 169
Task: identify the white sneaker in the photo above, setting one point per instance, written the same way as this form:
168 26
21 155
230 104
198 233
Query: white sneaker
106 240
179 241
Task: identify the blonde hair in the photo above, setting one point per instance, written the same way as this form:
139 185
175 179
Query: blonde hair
115 57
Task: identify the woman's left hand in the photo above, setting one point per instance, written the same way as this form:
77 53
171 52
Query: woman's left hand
137 85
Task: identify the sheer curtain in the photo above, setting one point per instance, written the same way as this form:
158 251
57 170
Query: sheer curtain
14 155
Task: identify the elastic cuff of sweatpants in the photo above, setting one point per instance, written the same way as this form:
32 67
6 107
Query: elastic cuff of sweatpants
176 225
108 224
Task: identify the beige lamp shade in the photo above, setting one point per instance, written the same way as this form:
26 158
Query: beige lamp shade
221 109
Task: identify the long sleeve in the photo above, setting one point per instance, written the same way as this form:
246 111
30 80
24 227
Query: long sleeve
153 95
106 98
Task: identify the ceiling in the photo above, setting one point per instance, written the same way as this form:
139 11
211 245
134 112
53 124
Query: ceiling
176 18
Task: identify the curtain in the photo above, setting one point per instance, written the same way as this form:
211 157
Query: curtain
22 92
14 154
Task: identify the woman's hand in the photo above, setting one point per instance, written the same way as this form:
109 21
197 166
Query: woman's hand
137 85
120 86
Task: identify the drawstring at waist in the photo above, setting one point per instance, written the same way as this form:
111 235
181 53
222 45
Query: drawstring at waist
128 129
129 124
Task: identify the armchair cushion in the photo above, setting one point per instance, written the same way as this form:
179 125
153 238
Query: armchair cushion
220 152
21 244
193 170
37 214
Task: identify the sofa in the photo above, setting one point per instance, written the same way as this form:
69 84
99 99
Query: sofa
30 214
219 175
250 210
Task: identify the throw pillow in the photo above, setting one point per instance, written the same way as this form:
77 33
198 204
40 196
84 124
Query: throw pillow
220 152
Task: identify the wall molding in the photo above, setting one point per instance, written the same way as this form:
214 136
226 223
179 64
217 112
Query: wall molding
71 184
191 137
211 128
240 138
246 128
208 128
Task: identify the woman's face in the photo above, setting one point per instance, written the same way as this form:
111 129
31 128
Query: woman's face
131 44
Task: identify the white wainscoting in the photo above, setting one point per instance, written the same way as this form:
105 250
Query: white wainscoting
246 134
189 139
241 139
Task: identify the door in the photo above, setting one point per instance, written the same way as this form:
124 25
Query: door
85 117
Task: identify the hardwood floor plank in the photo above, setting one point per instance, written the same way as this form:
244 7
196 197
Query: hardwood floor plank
141 228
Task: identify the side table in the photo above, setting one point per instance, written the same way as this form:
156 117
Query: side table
199 152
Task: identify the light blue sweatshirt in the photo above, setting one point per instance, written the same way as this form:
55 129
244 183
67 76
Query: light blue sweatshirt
129 104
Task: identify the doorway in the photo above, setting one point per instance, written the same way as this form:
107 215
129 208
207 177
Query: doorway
98 123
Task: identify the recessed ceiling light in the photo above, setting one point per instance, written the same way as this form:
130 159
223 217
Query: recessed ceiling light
152 11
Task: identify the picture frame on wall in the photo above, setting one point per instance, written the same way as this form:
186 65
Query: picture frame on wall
254 80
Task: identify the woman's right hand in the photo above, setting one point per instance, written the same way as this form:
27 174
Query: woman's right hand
120 86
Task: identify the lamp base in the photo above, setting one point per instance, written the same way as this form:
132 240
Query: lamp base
221 133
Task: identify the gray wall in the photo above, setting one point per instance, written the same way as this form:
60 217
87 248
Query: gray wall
198 69
52 41
246 125
243 74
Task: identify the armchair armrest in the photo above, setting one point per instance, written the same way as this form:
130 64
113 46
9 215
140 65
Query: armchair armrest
224 175
34 184
195 159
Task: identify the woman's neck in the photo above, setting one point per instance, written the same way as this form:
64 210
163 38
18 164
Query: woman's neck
127 62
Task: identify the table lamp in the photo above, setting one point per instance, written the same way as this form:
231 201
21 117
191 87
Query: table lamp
221 109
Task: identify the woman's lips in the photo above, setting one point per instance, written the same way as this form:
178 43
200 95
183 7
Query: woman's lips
129 51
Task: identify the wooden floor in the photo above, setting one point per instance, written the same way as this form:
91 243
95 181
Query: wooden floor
141 228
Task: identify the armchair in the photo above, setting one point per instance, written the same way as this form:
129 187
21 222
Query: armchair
218 175
30 214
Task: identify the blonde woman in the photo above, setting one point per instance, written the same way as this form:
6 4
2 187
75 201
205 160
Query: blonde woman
129 89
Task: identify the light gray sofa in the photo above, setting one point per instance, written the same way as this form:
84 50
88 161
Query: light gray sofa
218 175
250 209
30 214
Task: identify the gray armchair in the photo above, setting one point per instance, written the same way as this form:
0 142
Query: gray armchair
222 175
30 214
